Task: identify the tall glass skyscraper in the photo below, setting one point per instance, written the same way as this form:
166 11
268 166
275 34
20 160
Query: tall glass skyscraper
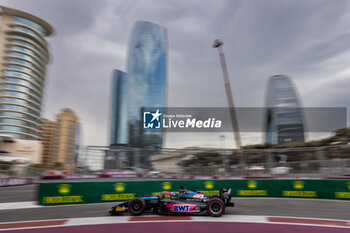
119 118
284 120
147 74
23 58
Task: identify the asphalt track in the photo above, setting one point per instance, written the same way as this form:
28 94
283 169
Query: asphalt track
326 209
174 227
246 206
18 193
170 224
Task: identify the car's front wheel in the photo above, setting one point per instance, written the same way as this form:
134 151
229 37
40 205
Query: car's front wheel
136 206
216 207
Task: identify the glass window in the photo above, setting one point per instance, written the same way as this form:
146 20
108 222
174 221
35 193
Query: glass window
19 136
17 129
19 61
24 56
31 40
18 115
19 48
17 122
20 82
16 67
31 24
25 76
26 51
21 55
19 108
26 30
21 95
289 118
20 102
26 44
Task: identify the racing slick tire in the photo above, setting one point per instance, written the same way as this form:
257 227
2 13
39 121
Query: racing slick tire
136 206
216 207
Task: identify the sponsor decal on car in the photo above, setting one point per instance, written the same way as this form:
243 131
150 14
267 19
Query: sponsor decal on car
181 208
176 208
199 195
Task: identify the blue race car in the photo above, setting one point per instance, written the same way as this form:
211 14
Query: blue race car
184 202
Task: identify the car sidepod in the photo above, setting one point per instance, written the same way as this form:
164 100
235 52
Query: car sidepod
183 208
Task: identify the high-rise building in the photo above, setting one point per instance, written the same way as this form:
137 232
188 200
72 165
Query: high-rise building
146 85
119 118
78 142
24 55
283 120
65 138
61 139
48 131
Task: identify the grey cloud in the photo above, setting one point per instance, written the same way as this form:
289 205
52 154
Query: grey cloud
262 38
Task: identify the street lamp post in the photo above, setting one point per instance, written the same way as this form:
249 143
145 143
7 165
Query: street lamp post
218 44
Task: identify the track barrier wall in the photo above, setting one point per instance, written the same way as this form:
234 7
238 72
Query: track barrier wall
99 192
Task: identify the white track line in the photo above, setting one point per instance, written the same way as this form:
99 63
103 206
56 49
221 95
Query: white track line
290 198
126 219
19 205
33 204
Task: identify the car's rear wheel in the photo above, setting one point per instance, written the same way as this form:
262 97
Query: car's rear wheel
216 207
136 206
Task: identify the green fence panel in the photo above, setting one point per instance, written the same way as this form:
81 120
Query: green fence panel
96 192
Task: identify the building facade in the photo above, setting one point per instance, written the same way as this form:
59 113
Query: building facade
78 143
119 118
61 140
146 85
65 139
24 56
20 149
168 162
47 134
284 122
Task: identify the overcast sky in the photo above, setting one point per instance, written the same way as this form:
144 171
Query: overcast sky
307 40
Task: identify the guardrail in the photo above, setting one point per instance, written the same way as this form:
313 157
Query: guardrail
5 182
99 192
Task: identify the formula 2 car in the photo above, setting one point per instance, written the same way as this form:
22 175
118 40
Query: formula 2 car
183 202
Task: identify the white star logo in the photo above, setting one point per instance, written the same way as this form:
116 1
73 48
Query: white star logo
156 115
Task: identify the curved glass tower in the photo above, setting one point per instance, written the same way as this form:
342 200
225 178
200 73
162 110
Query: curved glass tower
23 59
284 121
147 71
